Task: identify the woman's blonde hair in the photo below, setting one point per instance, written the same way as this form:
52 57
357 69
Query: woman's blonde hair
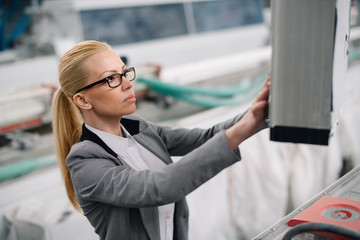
67 119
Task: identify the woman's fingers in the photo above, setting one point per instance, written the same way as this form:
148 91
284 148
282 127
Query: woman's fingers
267 82
264 93
260 105
264 90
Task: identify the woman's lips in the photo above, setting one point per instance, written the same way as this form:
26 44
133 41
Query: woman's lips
130 98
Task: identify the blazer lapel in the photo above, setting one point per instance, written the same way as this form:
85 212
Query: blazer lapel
148 142
150 218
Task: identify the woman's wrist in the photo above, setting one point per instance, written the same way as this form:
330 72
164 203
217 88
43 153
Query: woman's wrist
235 136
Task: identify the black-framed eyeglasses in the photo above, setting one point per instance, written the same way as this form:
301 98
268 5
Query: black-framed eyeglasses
113 80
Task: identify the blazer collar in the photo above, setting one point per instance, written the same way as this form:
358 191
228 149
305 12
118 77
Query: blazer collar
132 126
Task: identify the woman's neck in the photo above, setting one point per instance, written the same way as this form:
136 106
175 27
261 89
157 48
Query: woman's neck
112 127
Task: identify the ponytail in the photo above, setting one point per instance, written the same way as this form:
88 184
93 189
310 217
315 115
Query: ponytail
67 123
67 119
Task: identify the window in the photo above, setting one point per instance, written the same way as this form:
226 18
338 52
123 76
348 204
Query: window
134 24
123 25
215 15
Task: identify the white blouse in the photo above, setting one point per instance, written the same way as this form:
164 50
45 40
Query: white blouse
139 158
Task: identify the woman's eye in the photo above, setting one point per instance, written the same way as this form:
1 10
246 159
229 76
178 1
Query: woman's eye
111 78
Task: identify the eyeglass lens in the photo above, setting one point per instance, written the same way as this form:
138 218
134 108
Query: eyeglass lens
130 74
116 79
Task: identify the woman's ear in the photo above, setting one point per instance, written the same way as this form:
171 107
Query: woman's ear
81 101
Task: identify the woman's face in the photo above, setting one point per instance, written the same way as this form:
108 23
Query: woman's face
106 101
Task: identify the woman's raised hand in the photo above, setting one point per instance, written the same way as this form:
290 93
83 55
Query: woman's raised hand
252 119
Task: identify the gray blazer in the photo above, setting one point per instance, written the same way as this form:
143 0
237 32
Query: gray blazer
121 203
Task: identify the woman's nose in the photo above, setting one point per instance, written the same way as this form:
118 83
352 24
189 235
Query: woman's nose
126 84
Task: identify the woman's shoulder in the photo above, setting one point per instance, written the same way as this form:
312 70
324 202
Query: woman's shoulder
87 149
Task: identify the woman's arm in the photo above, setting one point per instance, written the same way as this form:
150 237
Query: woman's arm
98 178
180 141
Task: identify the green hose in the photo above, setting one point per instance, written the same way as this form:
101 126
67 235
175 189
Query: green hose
205 96
24 167
171 88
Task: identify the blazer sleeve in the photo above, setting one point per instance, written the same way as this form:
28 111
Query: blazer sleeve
181 141
97 177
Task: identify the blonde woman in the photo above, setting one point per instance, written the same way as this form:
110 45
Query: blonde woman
116 166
